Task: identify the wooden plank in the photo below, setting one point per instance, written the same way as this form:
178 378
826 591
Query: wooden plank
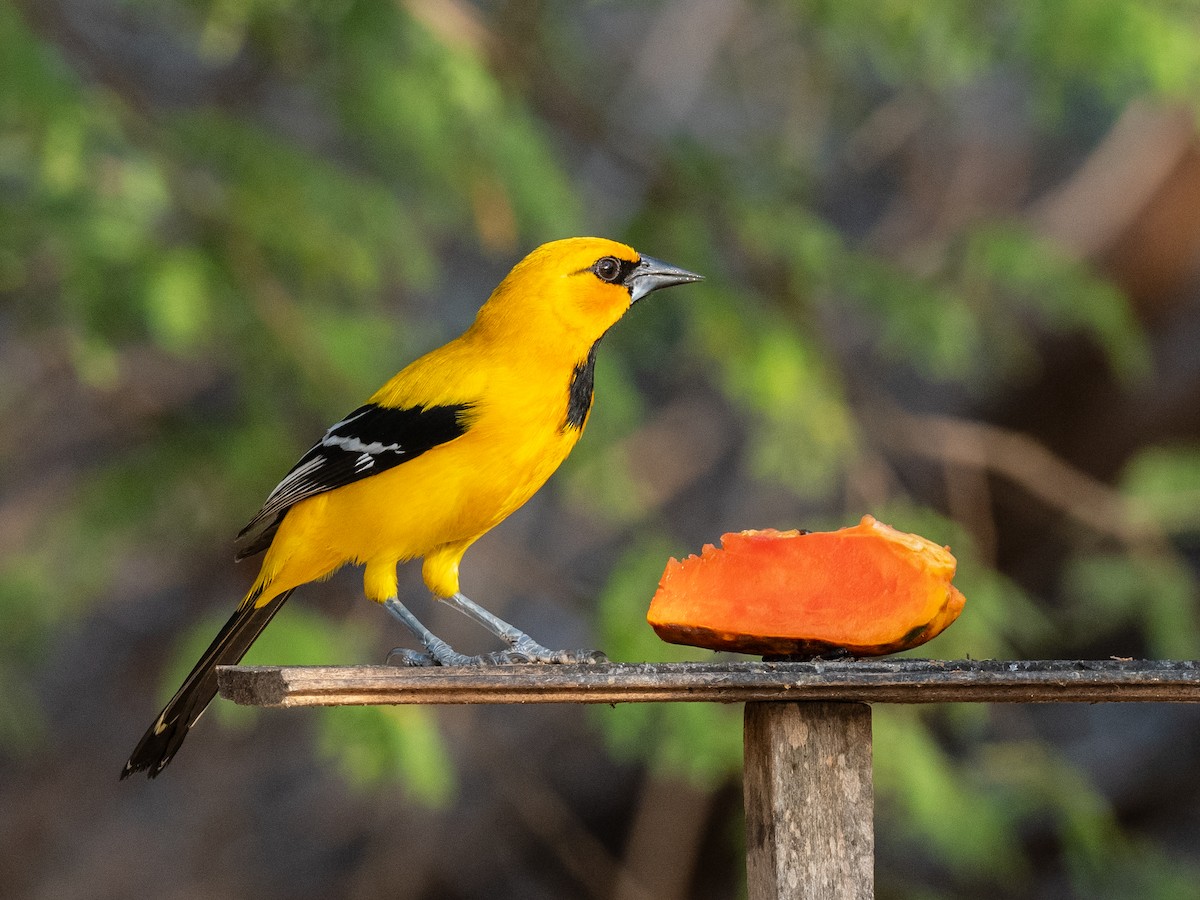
809 801
867 681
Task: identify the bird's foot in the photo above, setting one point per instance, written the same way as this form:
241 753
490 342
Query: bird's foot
403 656
532 651
532 654
522 649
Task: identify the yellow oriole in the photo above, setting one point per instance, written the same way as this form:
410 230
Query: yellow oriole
437 457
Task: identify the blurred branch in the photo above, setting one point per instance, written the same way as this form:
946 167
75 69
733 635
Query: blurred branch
276 309
888 128
153 68
1026 462
147 65
665 839
1086 214
674 61
547 816
455 22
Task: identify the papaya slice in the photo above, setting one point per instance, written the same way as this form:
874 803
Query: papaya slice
866 590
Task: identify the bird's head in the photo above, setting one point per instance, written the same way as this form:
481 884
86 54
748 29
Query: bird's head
570 292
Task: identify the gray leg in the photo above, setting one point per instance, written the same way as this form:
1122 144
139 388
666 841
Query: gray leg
524 648
437 651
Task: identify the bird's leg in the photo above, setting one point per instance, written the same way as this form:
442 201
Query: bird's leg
437 652
524 648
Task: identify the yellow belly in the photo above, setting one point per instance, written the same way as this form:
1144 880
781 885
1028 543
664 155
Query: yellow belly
434 506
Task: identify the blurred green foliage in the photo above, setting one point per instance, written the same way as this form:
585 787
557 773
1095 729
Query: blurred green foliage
701 742
1165 482
222 286
1117 49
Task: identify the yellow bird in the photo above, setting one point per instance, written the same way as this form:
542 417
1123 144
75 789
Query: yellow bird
437 457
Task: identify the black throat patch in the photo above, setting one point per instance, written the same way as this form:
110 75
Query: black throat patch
580 391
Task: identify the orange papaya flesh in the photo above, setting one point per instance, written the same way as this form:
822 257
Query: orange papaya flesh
866 590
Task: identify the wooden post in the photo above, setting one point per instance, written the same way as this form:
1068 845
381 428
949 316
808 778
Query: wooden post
810 803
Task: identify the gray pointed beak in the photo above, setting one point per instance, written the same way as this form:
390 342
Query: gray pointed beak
650 274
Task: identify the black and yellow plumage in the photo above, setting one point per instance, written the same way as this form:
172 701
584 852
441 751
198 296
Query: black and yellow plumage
437 457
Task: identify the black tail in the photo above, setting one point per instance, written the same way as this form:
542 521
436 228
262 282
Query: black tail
166 734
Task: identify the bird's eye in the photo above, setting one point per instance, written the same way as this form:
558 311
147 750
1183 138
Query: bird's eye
608 269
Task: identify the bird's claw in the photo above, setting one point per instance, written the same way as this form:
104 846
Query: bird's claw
402 656
525 654
507 658
576 658
536 653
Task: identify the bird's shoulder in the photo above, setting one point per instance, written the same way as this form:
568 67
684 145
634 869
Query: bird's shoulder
375 437
458 373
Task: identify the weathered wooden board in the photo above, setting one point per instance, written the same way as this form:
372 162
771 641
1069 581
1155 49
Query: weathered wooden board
865 681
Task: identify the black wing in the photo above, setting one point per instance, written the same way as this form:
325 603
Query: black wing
370 440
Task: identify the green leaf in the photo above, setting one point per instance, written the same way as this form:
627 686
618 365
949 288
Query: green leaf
957 816
380 745
701 742
804 435
1165 483
1157 592
177 300
1006 266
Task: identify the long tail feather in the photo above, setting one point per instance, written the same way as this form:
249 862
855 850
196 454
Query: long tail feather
164 737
